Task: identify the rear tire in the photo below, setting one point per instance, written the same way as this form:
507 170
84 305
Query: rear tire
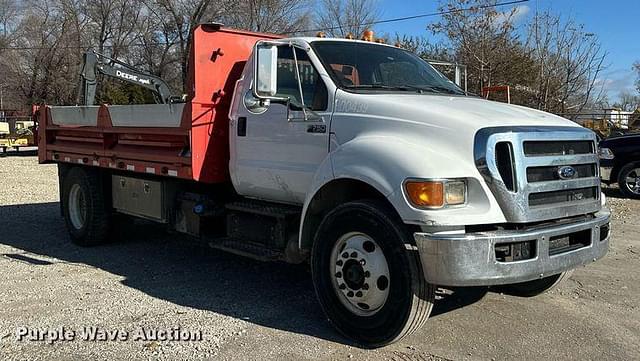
84 207
535 287
367 274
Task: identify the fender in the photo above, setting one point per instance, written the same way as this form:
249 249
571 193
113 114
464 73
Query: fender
384 162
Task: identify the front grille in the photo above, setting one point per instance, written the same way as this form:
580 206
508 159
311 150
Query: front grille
540 173
547 148
563 196
550 173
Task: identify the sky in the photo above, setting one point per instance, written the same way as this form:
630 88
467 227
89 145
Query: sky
615 22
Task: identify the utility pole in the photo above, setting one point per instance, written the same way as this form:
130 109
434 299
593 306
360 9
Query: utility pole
2 117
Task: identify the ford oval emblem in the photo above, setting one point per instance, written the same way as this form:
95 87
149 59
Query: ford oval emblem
566 172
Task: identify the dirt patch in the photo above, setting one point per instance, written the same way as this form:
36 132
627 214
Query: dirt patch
252 310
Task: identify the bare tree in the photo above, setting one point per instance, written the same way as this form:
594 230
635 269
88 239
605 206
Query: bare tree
8 15
38 70
627 101
181 17
555 68
568 63
339 18
112 23
424 48
482 38
271 16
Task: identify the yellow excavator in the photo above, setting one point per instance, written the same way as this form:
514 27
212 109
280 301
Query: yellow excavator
22 134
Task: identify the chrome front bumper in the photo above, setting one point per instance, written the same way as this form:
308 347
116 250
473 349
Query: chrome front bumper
469 259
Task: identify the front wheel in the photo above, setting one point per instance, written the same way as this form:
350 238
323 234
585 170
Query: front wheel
629 180
367 274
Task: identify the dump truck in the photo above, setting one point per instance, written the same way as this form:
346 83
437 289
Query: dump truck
355 157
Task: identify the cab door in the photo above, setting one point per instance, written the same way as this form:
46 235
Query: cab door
277 152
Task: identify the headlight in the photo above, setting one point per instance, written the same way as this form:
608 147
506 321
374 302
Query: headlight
435 193
605 153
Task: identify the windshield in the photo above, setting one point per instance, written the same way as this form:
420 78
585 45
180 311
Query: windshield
362 66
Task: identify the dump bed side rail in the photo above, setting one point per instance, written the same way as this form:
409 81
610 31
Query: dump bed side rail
87 135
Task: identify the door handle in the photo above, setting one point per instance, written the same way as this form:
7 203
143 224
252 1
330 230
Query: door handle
242 126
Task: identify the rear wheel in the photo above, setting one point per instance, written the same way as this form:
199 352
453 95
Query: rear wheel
84 208
629 180
367 274
535 287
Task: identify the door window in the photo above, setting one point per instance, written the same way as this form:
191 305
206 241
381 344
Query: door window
314 91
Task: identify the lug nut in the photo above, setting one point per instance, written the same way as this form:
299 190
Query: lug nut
342 286
354 254
345 255
339 263
359 294
339 275
365 286
350 294
363 262
367 274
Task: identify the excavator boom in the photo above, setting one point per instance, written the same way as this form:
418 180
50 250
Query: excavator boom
95 63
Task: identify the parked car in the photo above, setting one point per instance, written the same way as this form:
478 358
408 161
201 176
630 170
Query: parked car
620 163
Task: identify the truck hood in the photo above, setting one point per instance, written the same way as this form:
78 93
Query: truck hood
453 112
385 139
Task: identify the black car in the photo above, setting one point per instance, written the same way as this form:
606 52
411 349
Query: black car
620 163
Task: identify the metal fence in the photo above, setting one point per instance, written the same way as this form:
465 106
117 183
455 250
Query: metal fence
606 124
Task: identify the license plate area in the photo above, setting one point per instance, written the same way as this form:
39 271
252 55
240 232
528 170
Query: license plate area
569 242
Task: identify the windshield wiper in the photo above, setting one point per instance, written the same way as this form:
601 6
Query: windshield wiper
380 86
406 87
441 89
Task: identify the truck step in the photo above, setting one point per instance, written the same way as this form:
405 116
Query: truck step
264 208
247 249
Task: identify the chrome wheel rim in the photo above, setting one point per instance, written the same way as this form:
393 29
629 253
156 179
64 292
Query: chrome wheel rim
77 207
632 180
360 274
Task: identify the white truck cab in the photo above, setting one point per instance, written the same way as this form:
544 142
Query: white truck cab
483 193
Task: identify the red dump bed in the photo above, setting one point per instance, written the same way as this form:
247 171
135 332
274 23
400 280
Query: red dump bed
186 140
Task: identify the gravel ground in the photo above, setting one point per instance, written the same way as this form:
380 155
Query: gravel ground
251 310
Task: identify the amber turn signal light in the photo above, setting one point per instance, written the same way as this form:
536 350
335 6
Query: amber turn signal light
425 193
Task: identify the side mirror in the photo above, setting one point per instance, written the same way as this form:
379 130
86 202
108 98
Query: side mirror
265 73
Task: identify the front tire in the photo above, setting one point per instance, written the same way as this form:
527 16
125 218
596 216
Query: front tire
367 274
85 207
629 180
